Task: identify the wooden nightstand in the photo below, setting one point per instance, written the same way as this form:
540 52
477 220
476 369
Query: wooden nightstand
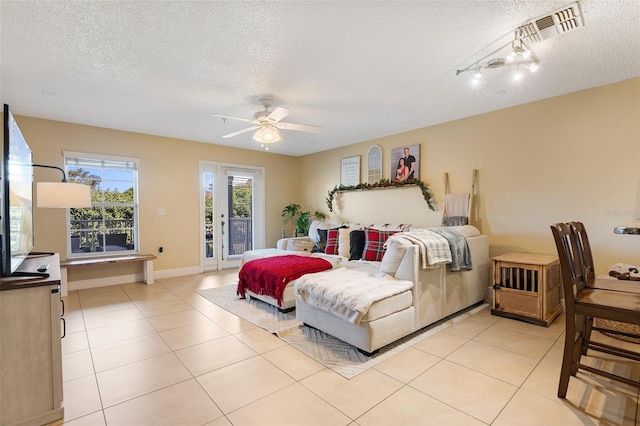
527 287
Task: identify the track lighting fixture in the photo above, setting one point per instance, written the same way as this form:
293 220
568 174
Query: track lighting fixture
477 74
515 53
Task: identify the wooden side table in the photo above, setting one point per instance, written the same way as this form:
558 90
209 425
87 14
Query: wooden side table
527 287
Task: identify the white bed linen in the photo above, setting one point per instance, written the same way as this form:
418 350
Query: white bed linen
347 293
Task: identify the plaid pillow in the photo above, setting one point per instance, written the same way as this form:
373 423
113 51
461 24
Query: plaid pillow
333 239
374 240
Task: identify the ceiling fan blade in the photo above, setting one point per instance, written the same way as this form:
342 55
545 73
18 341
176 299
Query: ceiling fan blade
248 129
231 118
299 127
278 114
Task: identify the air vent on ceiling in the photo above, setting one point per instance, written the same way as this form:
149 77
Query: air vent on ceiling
560 21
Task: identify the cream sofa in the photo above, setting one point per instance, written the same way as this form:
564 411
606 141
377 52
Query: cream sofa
303 246
436 294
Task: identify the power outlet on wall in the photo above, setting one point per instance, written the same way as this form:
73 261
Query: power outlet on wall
160 249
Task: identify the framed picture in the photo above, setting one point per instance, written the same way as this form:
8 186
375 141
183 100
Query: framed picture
405 163
350 171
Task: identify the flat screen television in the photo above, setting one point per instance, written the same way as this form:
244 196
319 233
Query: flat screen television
17 196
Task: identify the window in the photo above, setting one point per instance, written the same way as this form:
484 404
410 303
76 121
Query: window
374 164
110 225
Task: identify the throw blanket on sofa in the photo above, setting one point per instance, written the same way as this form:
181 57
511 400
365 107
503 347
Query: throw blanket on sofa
348 293
460 252
269 276
434 248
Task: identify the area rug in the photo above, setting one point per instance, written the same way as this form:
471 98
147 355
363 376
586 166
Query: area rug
335 354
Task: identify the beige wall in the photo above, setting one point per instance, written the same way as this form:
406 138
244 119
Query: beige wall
574 157
168 178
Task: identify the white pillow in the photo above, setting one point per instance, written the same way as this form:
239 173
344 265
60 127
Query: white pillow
344 244
393 255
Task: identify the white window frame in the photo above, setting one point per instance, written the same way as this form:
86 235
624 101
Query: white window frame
132 164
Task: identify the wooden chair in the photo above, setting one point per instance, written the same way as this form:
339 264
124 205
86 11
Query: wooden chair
583 303
589 271
583 239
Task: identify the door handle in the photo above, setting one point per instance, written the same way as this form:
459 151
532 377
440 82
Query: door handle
222 222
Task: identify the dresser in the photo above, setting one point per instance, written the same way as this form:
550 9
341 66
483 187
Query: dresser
30 345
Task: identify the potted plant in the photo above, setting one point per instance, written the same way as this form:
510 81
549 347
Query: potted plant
302 216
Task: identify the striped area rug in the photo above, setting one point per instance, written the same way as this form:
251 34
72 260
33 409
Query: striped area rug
335 354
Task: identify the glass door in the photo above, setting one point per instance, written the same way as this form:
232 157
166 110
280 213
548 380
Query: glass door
209 251
232 213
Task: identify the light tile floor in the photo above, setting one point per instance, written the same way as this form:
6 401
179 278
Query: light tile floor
163 355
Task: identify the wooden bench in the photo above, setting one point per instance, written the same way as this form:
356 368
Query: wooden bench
147 260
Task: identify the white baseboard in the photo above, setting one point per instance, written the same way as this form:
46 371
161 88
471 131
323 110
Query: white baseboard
179 272
130 278
104 281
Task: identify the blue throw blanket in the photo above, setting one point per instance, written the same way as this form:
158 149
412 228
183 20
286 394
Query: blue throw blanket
460 252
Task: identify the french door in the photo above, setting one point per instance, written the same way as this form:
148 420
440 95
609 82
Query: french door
232 213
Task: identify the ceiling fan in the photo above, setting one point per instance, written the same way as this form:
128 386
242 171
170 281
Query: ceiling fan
267 124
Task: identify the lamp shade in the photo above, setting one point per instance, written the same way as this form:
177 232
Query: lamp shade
267 134
63 195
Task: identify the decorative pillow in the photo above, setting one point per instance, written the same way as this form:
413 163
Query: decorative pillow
343 242
333 241
321 241
393 255
320 224
356 244
374 243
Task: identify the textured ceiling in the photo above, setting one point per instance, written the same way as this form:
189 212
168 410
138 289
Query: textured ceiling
358 69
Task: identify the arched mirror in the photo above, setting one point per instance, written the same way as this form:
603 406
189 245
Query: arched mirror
374 164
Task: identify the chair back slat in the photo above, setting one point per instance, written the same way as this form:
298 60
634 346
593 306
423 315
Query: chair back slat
571 256
587 257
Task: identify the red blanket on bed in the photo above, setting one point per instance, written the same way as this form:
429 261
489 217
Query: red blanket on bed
269 276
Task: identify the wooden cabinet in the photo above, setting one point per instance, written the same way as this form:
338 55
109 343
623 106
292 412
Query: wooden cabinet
527 287
30 351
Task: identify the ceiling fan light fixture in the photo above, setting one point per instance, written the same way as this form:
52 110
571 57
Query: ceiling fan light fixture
267 134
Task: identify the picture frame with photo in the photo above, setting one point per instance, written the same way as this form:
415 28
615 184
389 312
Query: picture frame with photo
405 163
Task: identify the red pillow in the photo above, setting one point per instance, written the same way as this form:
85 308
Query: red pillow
374 240
333 238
